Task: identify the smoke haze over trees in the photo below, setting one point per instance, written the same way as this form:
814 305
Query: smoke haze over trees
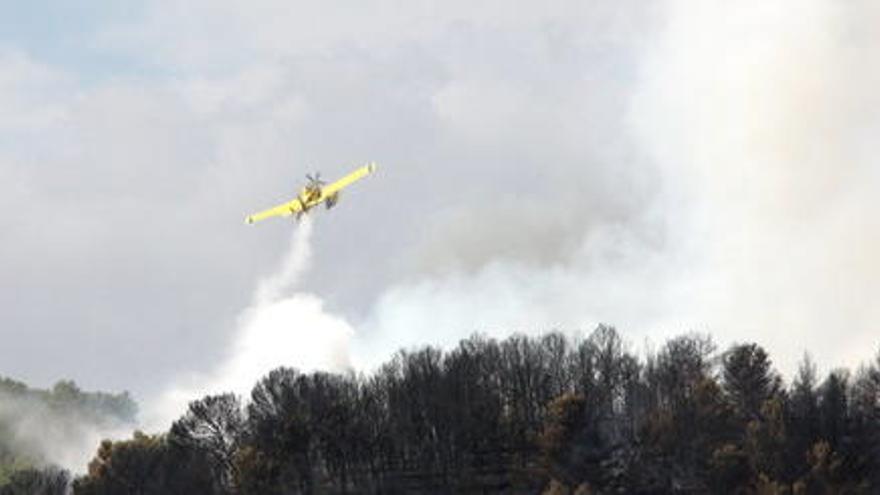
643 162
58 426
521 415
659 164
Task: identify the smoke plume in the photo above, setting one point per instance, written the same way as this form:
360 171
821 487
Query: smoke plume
742 210
281 327
763 120
62 426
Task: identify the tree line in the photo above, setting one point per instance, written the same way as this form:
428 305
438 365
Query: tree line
542 414
36 423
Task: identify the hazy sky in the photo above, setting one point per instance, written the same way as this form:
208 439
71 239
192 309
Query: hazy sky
662 166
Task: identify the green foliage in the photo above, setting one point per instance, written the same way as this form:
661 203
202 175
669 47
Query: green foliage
730 470
748 379
145 465
523 415
213 427
11 465
33 422
563 432
31 481
766 440
556 487
66 397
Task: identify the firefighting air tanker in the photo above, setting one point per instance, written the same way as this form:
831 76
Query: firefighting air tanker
314 193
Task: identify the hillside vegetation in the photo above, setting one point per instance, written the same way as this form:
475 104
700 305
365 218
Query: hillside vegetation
521 415
39 427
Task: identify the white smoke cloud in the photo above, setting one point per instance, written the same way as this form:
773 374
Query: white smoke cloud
612 271
281 327
35 431
762 122
760 116
763 147
284 328
506 125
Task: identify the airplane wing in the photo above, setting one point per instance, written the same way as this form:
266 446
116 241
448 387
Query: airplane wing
282 210
327 193
349 179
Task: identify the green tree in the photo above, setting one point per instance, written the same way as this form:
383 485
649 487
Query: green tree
766 440
214 426
32 481
562 435
748 380
145 465
279 433
804 419
833 408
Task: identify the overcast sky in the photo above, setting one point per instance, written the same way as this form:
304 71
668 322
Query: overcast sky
662 166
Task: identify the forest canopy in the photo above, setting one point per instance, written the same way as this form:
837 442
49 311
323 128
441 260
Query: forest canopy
38 427
543 414
523 414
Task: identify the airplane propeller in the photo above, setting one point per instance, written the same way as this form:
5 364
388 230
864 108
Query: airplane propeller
315 179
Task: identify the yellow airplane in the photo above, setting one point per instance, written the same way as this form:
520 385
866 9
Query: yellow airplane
314 193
